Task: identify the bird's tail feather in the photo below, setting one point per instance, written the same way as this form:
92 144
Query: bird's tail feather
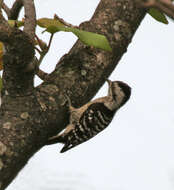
56 139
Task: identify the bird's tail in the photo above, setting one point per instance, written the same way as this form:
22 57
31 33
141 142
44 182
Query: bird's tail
56 139
66 147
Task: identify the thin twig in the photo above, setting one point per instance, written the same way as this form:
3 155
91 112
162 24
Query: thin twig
165 6
41 74
44 50
64 22
50 41
43 46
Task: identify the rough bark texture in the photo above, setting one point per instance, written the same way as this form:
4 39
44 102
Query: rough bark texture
28 115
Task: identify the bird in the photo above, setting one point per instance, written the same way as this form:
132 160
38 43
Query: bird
93 117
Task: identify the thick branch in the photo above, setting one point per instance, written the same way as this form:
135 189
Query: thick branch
27 122
30 18
15 10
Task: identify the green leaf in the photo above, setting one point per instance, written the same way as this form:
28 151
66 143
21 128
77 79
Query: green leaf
12 23
0 83
157 15
88 38
53 29
92 39
47 22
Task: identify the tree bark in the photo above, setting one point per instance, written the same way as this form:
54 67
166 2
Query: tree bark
28 115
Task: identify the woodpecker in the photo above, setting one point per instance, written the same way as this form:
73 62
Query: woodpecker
93 117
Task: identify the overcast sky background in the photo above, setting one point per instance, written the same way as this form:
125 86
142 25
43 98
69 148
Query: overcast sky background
136 152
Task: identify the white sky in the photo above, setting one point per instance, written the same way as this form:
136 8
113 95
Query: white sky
136 151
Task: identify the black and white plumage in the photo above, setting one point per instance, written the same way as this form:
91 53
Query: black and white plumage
93 117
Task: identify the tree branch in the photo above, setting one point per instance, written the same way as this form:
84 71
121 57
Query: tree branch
26 122
30 18
15 10
5 29
165 6
6 9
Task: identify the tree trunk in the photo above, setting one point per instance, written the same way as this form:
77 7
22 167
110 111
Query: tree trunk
28 115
